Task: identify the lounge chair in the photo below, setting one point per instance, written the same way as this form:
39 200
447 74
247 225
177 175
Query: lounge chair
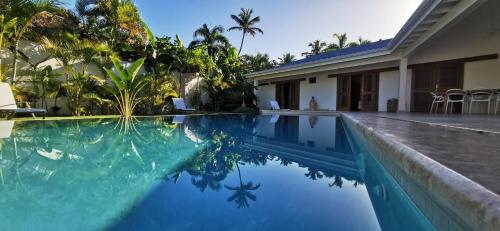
275 105
180 105
9 106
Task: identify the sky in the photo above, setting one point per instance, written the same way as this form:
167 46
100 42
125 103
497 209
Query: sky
288 25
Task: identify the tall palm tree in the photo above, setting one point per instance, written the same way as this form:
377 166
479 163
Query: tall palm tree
212 38
246 24
341 42
317 46
287 58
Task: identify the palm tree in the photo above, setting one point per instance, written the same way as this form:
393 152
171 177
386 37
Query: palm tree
242 192
257 62
360 41
317 46
6 30
286 58
246 24
212 38
26 11
341 42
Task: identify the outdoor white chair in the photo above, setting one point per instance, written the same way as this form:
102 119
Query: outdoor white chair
275 105
180 105
455 96
8 104
478 96
436 100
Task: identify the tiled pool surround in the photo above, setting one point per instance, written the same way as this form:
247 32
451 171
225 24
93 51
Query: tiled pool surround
447 198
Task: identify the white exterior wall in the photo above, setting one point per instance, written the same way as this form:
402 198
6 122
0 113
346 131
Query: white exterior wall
483 74
388 88
264 95
324 91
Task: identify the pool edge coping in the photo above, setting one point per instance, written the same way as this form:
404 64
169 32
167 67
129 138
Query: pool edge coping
471 202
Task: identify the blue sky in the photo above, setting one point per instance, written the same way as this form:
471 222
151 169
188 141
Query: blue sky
289 25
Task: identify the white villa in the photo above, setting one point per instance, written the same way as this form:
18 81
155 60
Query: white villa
446 44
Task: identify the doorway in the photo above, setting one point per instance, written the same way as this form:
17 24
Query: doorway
434 77
288 94
357 92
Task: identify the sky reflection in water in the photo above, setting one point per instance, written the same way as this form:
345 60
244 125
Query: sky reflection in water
195 173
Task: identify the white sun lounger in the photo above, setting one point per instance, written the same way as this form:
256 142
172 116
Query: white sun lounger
180 105
8 103
275 105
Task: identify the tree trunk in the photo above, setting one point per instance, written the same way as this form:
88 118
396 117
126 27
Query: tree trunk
242 40
14 61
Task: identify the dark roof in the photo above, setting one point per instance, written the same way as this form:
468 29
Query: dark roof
341 53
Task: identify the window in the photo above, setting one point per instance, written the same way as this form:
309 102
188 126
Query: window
312 80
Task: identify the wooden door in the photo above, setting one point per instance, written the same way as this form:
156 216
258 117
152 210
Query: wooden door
432 78
343 93
295 95
280 94
369 92
288 94
423 83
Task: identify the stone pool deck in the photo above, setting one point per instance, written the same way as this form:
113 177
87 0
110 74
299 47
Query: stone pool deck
468 144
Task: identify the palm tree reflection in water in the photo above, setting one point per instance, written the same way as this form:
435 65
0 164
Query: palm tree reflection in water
242 192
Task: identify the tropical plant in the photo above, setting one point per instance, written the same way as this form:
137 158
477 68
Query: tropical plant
26 12
161 84
246 24
286 58
317 46
360 41
70 50
257 62
341 42
127 85
116 21
43 80
211 38
6 30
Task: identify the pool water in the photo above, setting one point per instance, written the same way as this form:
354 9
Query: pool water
224 172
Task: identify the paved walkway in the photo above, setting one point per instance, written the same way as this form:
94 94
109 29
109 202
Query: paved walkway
469 145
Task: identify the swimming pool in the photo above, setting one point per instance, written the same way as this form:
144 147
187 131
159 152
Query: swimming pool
224 172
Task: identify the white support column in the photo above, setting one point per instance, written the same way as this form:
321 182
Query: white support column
403 77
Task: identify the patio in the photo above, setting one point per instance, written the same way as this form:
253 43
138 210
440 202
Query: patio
467 144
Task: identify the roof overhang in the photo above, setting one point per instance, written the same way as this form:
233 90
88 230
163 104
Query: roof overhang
429 18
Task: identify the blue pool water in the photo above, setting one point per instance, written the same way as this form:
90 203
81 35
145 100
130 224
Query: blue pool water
225 172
